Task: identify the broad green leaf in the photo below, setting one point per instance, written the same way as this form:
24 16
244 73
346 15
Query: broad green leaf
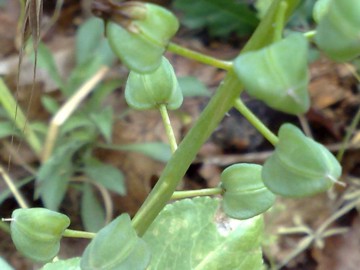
92 213
268 75
76 121
185 236
220 17
53 176
69 264
103 120
156 150
116 247
245 195
299 166
192 87
46 61
4 265
106 175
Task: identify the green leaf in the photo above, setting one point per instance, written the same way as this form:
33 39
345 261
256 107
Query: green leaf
4 265
220 17
156 150
245 195
46 61
103 120
299 166
192 87
92 213
54 175
185 236
8 129
101 92
69 264
116 247
268 75
87 39
106 175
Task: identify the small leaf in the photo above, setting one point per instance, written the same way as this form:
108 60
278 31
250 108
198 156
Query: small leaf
268 75
116 247
87 39
192 87
53 176
185 236
92 213
46 61
104 122
8 129
106 175
245 195
69 264
299 166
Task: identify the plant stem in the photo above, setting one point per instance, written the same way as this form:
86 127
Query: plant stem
199 192
256 122
310 35
168 128
180 161
14 190
202 58
209 119
78 234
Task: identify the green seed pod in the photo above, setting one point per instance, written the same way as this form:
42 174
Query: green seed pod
141 44
299 166
338 32
116 247
320 9
245 195
277 74
36 232
148 91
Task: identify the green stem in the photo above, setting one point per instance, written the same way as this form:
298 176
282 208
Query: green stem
256 122
199 192
209 119
310 35
78 234
168 128
280 21
186 152
202 58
